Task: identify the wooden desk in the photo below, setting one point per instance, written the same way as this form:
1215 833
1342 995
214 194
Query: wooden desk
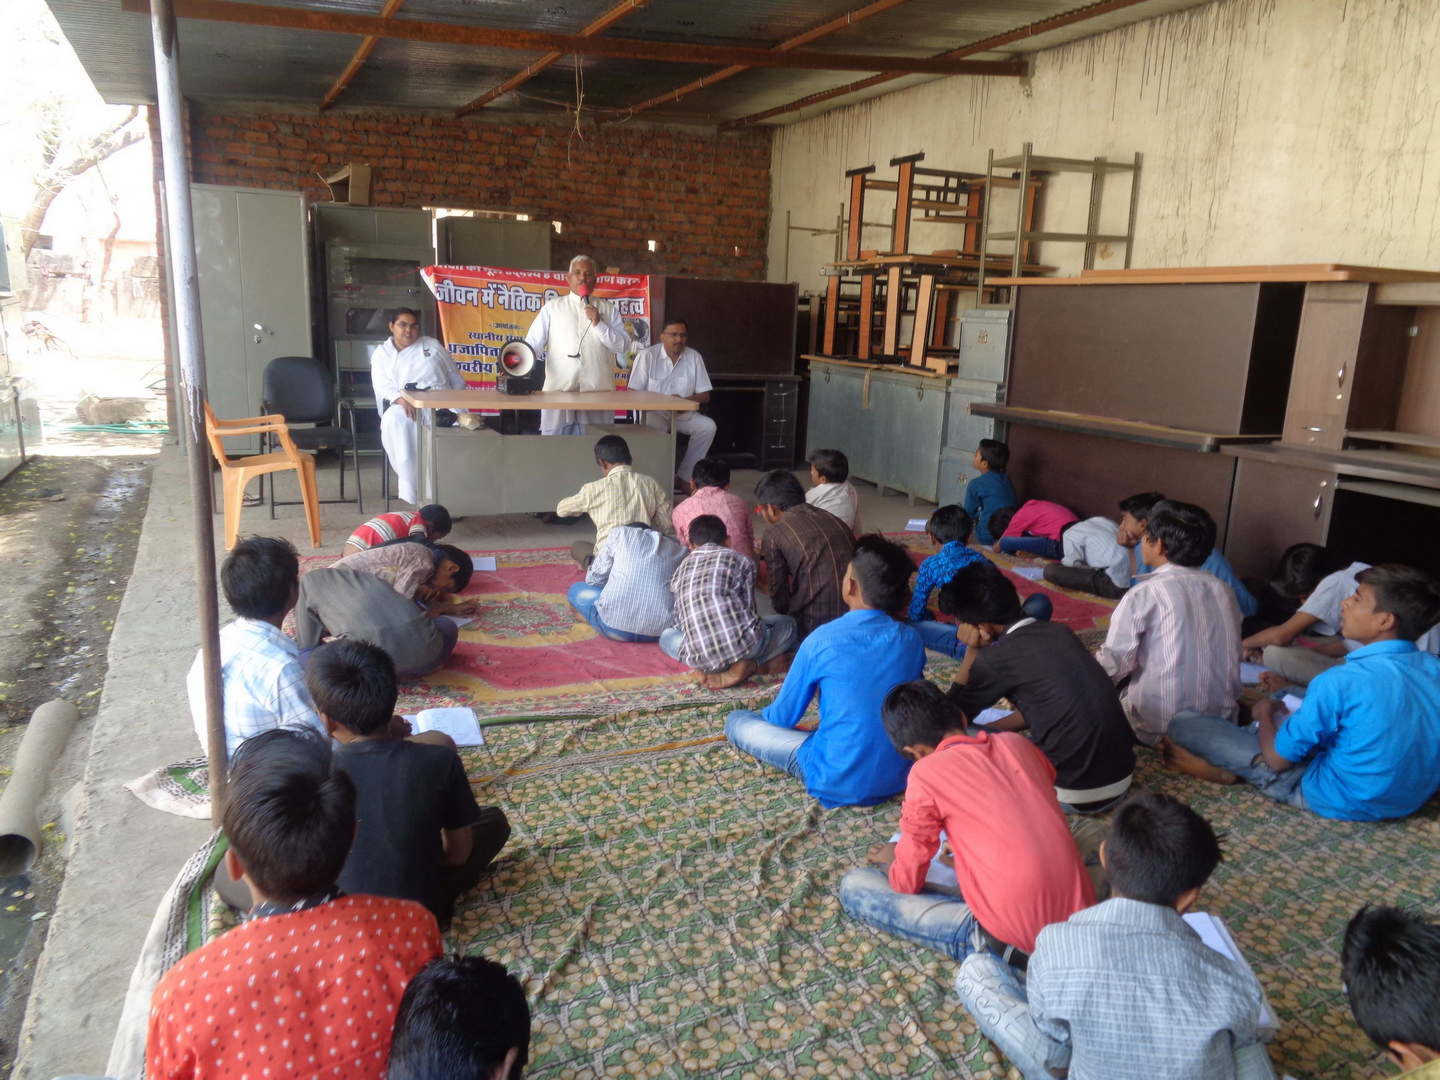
1207 442
483 472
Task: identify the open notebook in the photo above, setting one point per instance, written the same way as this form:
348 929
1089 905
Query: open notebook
1213 932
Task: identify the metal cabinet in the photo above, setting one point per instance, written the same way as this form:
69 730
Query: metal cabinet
254 287
838 417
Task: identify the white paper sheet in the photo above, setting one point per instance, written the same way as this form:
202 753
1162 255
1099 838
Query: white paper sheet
459 723
938 874
1216 934
1030 573
989 716
916 524
1250 673
1292 702
483 562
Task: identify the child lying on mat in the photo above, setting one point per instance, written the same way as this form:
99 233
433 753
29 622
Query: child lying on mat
1015 863
1063 696
421 835
317 974
851 662
1364 745
1036 528
717 630
1126 990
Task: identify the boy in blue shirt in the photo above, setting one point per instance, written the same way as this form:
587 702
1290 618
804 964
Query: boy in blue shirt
990 489
948 528
851 662
1364 745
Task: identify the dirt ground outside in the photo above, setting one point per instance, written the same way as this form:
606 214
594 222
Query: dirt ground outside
69 524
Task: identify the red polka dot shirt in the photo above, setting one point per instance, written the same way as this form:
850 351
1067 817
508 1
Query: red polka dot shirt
307 993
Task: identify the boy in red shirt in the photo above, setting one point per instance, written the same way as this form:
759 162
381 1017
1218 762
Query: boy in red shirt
310 983
428 523
1015 863
1034 529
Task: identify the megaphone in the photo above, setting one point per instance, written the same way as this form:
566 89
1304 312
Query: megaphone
520 370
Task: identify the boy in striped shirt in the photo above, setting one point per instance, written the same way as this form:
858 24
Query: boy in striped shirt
428 523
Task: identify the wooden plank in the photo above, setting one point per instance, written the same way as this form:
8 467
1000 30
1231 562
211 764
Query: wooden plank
904 196
857 215
1348 462
553 399
1168 278
816 358
924 308
1395 438
1088 423
666 52
891 332
1294 272
357 61
832 312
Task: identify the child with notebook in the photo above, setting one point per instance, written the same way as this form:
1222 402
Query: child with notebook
949 529
1390 967
1015 863
1125 990
989 490
830 473
421 835
1364 745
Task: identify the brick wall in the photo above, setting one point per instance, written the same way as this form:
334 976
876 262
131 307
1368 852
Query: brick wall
704 198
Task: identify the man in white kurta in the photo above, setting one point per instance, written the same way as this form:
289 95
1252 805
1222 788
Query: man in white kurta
671 367
578 336
406 357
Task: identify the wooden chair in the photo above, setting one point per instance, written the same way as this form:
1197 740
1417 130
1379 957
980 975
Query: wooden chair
238 472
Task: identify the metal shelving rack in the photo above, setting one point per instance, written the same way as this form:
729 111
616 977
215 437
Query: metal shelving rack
1027 164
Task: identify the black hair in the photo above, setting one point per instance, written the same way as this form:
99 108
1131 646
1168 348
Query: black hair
1300 569
1158 848
711 472
353 683
395 313
671 322
950 523
259 576
461 559
780 489
612 450
458 1018
832 465
980 593
438 520
1139 506
1411 595
289 814
1186 531
708 529
882 568
918 713
1000 521
995 454
1390 964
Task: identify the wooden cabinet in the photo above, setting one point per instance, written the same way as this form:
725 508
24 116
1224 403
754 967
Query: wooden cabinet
1272 507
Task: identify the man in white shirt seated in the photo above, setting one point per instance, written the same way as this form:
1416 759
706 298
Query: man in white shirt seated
579 336
1092 559
404 358
672 368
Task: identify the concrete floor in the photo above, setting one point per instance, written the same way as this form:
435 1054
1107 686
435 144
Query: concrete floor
123 855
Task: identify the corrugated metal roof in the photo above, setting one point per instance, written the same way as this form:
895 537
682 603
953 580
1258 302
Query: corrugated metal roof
222 62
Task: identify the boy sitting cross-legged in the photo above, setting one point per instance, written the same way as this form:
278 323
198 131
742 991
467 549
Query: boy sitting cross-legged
1126 990
717 630
1015 863
949 529
712 495
1062 695
313 975
1364 745
851 662
1390 967
421 835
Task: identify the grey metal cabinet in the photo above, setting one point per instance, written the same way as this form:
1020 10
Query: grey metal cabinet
254 281
838 419
518 245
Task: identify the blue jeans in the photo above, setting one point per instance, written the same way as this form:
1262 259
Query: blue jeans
780 637
993 994
1238 749
934 920
1031 545
778 747
582 598
939 637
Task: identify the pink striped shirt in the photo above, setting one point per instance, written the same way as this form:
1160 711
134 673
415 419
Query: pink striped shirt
1176 634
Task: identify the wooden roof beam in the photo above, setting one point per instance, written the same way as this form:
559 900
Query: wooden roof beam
671 52
1055 22
520 78
850 18
358 60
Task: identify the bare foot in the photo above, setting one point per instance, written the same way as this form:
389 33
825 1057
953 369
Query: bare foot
778 666
734 675
1178 759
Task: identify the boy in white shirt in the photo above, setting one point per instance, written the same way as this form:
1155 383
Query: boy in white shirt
830 473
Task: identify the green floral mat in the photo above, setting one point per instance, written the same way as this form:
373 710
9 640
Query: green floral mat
670 906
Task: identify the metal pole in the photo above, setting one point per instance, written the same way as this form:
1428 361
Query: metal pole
184 284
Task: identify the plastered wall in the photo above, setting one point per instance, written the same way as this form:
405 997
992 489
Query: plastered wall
1273 131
